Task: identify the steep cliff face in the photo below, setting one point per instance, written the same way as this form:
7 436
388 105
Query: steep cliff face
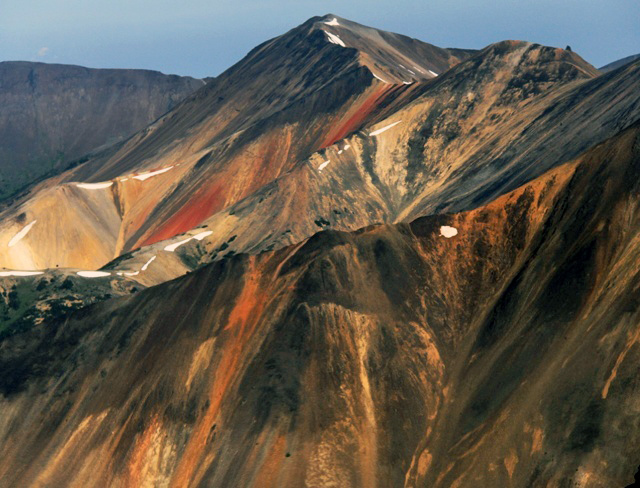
493 347
54 114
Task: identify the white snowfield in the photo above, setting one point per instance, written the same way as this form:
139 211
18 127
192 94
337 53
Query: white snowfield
385 128
405 68
198 237
447 231
176 245
145 176
433 73
18 237
93 274
323 165
333 21
20 273
202 235
383 81
95 186
146 265
335 39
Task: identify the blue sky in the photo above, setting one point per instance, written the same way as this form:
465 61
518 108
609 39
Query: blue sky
202 38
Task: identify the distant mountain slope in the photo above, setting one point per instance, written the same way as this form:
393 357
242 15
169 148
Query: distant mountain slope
52 114
491 348
619 63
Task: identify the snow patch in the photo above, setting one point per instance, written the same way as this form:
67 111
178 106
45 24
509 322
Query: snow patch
18 237
132 274
340 151
176 245
408 82
347 147
333 21
447 231
93 274
433 73
405 68
380 131
198 237
421 71
144 176
202 235
383 81
95 186
146 265
20 273
335 39
323 165
124 179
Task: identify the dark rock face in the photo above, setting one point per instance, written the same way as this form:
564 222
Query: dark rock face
54 114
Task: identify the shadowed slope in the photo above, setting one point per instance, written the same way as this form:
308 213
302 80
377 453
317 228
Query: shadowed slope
53 114
392 356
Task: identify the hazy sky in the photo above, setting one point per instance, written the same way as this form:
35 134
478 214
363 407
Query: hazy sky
204 37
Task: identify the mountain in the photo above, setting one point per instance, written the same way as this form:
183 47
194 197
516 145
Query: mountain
501 354
353 259
54 114
525 107
619 63
288 98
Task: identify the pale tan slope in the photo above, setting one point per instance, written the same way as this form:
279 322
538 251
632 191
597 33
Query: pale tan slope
70 224
79 226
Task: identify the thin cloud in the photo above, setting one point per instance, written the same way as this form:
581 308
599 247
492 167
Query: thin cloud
42 52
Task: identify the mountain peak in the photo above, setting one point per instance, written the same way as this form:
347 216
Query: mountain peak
392 58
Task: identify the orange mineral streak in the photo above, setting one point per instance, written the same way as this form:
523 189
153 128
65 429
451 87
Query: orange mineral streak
256 166
240 327
197 209
137 461
359 114
271 468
